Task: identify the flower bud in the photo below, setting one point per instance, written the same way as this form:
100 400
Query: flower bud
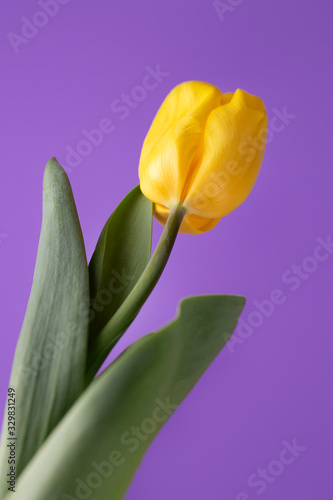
203 150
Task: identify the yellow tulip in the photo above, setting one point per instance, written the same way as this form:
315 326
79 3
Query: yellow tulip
203 150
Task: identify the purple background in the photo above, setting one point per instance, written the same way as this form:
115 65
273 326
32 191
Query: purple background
277 384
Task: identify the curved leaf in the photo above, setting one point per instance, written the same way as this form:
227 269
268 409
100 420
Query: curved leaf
121 255
95 450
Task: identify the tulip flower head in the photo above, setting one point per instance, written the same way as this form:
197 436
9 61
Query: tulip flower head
203 150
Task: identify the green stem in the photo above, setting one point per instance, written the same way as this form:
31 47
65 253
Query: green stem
123 317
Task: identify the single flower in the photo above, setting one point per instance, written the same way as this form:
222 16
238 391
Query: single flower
203 150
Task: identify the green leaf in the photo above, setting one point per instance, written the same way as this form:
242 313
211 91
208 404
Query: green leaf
49 364
121 255
94 444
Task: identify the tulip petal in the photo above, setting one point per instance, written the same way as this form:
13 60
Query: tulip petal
175 141
234 143
192 224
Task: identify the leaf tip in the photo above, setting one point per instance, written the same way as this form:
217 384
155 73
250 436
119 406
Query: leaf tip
54 172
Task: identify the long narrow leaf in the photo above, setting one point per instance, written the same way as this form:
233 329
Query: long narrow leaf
96 449
49 364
